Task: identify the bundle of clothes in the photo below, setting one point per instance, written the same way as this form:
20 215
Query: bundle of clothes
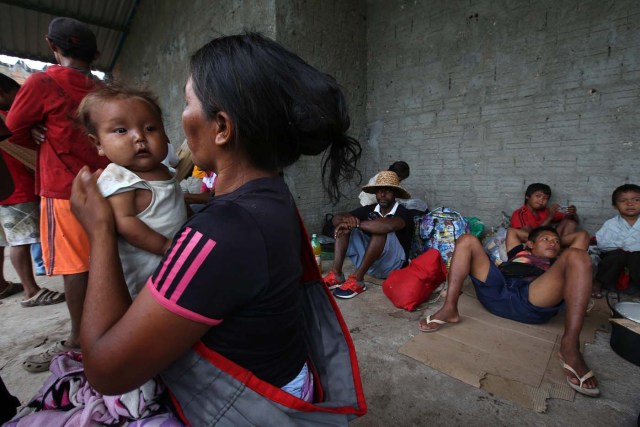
67 399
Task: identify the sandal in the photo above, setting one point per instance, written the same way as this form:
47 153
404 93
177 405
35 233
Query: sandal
40 362
439 324
591 392
43 297
333 280
11 289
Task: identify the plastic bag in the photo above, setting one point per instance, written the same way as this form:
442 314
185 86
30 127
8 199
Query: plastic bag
495 246
476 227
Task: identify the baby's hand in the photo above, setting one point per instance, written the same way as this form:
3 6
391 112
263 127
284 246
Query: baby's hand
571 210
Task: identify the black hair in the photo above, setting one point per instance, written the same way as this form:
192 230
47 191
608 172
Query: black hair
281 107
82 55
533 235
401 169
7 83
536 186
624 189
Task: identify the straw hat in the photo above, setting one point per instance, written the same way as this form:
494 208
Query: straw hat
387 179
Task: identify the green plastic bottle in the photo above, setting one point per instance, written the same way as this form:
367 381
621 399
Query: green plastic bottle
317 250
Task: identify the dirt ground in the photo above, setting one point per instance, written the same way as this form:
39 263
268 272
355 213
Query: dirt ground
399 390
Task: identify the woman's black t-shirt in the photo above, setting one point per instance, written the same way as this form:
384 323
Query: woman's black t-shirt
236 266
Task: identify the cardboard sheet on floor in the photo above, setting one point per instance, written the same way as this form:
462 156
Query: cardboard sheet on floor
512 360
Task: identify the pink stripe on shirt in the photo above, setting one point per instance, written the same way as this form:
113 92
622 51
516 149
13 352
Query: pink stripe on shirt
169 259
180 311
193 268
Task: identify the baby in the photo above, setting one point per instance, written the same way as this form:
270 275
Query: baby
148 205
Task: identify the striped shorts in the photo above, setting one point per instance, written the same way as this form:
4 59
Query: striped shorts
65 246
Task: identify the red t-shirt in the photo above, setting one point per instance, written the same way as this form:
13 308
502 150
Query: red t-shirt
23 182
525 217
53 97
22 177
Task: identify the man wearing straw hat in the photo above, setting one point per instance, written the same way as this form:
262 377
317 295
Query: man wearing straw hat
376 237
19 215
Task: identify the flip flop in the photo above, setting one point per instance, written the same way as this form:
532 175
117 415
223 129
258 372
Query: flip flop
43 297
591 392
429 320
11 289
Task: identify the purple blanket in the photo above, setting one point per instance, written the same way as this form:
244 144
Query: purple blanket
67 399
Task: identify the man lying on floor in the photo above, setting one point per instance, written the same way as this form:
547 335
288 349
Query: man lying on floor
530 288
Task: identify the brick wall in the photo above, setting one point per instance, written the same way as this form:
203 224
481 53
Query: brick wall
483 98
329 34
165 33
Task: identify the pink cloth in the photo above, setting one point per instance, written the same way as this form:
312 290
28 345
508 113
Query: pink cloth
67 399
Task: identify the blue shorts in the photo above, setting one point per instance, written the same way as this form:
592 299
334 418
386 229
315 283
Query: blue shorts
508 297
391 258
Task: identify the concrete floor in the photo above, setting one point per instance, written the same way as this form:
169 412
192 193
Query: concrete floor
399 390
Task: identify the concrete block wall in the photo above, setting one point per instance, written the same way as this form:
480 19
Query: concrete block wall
328 34
481 97
165 33
485 97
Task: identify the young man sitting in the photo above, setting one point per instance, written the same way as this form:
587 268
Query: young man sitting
535 213
530 288
376 237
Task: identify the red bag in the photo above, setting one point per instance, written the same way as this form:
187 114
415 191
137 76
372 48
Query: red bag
623 280
411 286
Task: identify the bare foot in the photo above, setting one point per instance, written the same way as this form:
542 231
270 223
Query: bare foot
444 314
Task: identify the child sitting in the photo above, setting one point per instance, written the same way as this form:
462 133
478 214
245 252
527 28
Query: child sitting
619 242
148 206
535 213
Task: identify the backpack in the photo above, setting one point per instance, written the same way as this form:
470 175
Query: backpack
439 229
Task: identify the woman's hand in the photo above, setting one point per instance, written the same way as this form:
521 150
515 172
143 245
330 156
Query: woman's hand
87 204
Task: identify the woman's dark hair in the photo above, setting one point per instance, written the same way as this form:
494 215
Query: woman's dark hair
281 107
536 186
624 188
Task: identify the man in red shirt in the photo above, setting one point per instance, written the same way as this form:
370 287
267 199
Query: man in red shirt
19 216
50 100
534 213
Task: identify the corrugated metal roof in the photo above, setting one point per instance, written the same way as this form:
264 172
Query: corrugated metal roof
24 23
